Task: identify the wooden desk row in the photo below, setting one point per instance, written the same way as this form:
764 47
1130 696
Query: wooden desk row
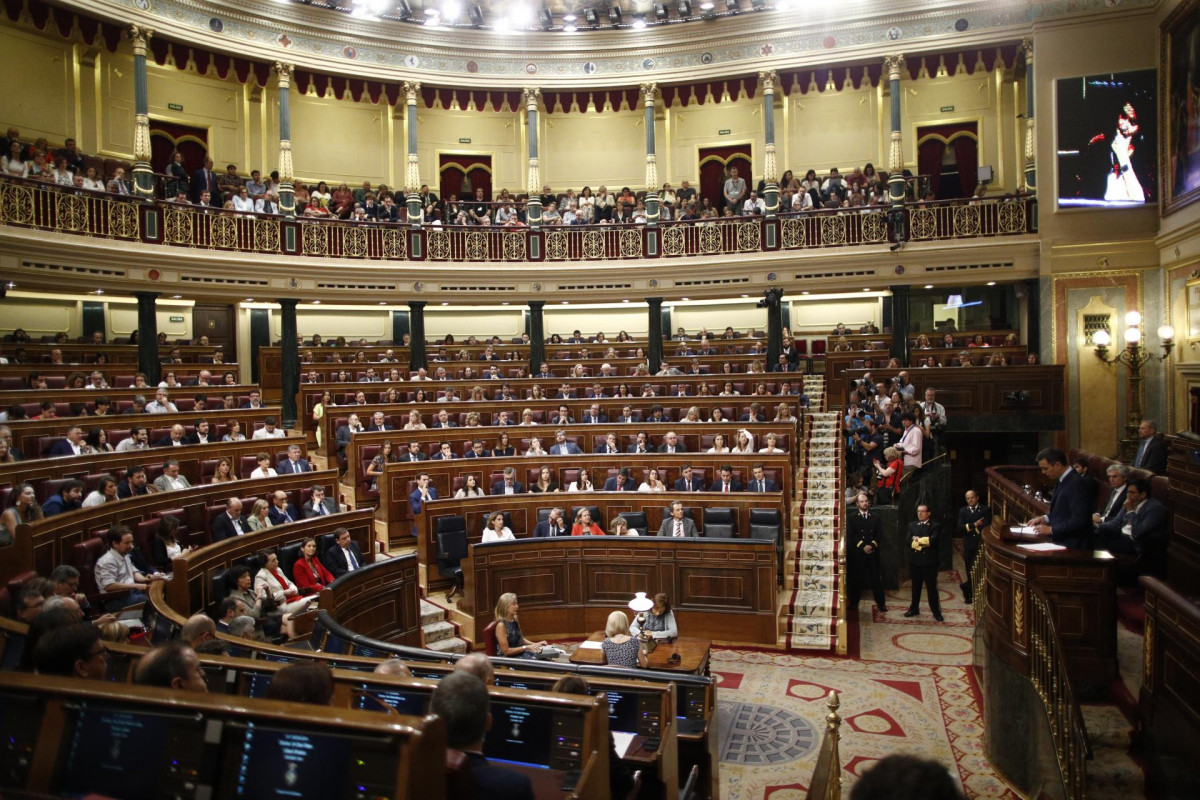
695 437
86 352
53 538
120 398
15 376
397 482
674 409
34 437
862 341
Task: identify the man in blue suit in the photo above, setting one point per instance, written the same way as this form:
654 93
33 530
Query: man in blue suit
72 445
593 415
621 482
293 464
509 483
562 447
205 180
281 511
689 482
1140 529
760 482
1069 522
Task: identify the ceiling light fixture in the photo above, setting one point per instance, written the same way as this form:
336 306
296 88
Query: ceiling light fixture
639 23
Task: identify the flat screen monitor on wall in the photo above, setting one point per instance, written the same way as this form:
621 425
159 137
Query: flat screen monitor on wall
1107 140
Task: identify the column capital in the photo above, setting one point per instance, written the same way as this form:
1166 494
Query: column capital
411 90
147 295
536 304
283 72
1026 49
415 305
288 301
532 96
139 35
768 78
893 64
649 93
654 301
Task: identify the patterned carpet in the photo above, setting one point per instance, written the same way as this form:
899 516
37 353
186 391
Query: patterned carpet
909 691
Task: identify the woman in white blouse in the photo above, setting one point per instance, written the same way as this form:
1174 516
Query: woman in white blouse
495 531
527 418
745 442
470 488
728 391
264 469
584 483
61 175
771 439
718 445
91 182
652 483
587 204
535 447
693 415
13 164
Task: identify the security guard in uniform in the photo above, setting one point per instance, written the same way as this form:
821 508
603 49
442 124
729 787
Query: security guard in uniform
864 553
972 519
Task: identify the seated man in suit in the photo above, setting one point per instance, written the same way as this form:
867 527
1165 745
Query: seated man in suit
609 446
760 481
171 480
509 483
552 526
230 522
421 495
562 417
72 445
784 365
677 526
413 453
627 416
621 482
562 447
593 415
444 453
726 482
477 450
344 556
203 434
461 700
319 505
1069 522
342 437
134 484
671 444
689 482
294 463
228 610
379 422
1141 530
176 438
755 414
443 420
281 511
642 445
1152 451
1118 475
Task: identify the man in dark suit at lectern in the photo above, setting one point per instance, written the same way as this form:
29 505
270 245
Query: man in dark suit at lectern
1069 522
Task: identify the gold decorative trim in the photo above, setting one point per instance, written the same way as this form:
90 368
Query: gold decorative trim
1148 654
1019 610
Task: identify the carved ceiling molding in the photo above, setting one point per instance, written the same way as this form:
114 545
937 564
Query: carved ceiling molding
332 42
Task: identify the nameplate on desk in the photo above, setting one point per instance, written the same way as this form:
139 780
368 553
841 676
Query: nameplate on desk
1041 547
1023 530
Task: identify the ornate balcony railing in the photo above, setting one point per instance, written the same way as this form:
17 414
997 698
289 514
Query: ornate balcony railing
42 206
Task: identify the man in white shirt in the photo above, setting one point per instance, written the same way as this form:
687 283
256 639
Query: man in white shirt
161 404
270 430
114 571
754 204
171 480
138 439
72 445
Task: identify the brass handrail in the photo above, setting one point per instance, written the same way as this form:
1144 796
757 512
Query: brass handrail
826 783
1048 672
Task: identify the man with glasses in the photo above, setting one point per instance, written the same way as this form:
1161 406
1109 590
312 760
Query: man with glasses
72 651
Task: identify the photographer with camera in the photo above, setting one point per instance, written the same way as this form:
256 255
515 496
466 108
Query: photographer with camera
935 413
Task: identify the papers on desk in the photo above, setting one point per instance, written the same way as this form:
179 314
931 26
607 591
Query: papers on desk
590 646
1023 530
1041 547
622 740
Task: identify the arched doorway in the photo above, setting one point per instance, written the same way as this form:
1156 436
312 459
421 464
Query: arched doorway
714 164
460 175
949 156
167 137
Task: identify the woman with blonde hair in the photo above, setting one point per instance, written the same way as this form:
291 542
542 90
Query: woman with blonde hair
619 647
693 415
259 519
584 526
510 642
527 418
745 442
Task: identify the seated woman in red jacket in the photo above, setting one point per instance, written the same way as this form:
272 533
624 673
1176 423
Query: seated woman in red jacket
584 526
308 572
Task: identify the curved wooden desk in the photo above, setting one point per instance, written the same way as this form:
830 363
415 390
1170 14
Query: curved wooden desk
721 589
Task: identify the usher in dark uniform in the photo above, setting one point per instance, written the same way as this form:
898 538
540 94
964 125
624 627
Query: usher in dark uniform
864 567
923 567
968 517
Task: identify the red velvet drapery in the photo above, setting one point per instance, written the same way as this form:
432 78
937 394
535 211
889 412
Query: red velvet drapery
460 175
713 163
932 141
